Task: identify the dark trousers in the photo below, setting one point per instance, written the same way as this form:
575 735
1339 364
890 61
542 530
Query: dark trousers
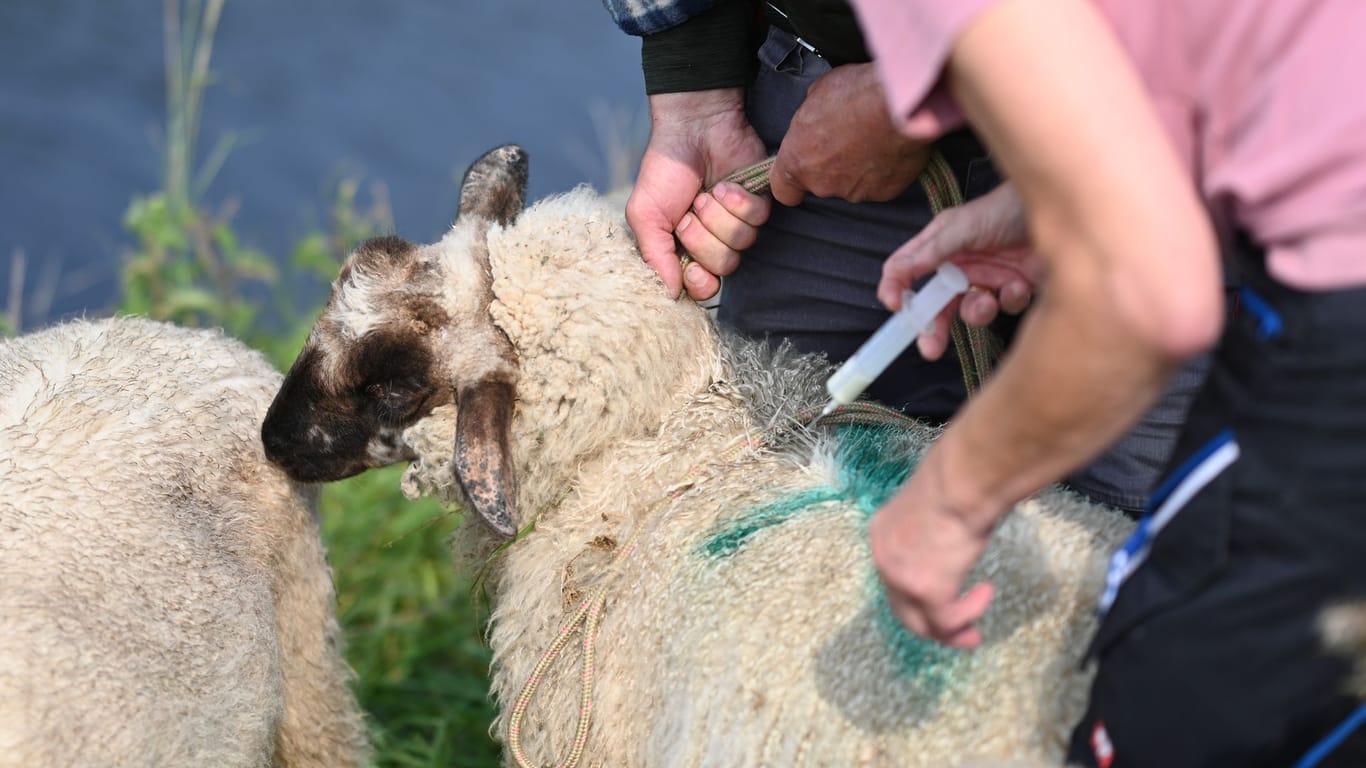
1208 652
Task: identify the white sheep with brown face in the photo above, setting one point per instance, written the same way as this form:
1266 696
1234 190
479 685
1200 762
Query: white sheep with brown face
565 395
164 594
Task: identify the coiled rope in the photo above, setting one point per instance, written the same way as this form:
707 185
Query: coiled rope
977 350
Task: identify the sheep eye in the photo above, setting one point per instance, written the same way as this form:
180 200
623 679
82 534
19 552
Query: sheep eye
389 392
394 400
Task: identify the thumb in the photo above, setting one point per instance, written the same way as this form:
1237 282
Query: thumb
657 248
783 182
655 237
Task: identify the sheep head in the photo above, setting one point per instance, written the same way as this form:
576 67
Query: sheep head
407 329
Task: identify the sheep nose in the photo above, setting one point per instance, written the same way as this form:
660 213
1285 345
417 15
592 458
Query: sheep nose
279 445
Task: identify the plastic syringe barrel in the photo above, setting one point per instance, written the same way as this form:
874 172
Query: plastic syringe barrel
897 333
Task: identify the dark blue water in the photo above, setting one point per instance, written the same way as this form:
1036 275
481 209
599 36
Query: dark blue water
404 93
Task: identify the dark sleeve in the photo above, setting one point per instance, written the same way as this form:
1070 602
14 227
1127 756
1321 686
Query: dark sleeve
713 49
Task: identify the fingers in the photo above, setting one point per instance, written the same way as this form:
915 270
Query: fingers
979 306
720 224
1015 296
933 341
749 208
951 623
700 283
917 256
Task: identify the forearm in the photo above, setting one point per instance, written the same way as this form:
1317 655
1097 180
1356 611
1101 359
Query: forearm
1073 382
1133 286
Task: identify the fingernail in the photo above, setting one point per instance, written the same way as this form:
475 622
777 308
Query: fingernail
687 220
693 275
701 201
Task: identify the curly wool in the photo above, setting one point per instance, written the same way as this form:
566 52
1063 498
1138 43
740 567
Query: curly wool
165 594
747 626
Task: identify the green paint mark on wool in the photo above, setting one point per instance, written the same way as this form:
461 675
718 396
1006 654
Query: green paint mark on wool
766 516
872 464
870 468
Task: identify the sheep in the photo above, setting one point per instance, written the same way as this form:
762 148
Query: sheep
164 594
530 366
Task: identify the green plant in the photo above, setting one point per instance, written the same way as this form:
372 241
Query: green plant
412 635
188 265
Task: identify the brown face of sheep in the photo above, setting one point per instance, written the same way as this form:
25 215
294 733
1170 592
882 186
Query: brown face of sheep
373 365
322 428
366 371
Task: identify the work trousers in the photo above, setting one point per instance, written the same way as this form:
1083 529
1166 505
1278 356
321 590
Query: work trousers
1210 650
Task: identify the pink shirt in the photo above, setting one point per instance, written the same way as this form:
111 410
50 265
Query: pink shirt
1265 101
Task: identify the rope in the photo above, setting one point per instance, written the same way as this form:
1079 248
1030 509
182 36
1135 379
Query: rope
977 348
588 614
755 177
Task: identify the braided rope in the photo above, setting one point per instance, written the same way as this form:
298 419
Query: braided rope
587 616
977 348
754 178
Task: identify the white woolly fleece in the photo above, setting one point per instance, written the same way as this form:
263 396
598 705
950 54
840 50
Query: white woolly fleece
164 592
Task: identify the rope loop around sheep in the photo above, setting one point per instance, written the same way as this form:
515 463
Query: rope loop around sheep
588 614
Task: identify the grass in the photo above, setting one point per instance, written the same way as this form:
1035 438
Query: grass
412 634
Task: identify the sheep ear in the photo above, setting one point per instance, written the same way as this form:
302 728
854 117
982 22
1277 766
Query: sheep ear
495 185
483 462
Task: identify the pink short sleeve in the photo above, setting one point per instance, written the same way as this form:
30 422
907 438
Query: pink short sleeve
910 41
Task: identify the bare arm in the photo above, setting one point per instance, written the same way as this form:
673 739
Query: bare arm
1132 290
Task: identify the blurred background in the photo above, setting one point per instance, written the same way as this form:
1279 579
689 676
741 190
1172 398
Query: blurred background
211 163
303 97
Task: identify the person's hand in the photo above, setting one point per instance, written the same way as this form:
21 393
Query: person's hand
987 238
695 138
923 552
841 143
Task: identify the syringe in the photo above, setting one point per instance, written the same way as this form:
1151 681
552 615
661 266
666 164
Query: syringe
918 309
